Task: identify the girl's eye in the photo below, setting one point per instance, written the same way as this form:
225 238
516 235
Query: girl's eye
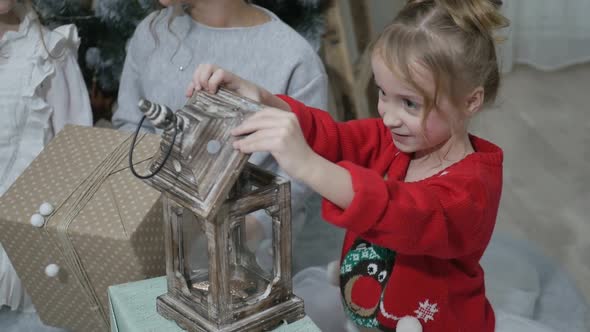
380 91
410 104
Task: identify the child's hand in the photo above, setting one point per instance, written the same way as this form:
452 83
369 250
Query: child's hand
279 133
210 77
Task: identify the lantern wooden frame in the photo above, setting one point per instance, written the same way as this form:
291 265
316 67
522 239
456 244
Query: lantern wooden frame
218 188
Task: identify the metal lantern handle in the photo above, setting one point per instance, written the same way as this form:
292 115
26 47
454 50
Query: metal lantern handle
163 118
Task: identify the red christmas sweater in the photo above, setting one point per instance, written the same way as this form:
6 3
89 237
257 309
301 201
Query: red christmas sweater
411 249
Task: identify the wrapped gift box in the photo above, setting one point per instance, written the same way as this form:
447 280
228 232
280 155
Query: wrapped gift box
104 227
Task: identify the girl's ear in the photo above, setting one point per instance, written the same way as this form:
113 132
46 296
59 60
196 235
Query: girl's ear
474 101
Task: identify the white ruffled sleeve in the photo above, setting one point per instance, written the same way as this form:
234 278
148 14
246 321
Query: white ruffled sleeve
53 91
62 82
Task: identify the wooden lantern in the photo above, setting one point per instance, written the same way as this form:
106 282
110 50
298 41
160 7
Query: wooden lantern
215 282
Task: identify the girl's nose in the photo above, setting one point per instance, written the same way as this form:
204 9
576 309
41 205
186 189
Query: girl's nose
390 118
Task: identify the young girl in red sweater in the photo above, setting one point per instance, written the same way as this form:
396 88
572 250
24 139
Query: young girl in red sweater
417 194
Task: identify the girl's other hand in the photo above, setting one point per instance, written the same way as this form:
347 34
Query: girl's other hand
279 133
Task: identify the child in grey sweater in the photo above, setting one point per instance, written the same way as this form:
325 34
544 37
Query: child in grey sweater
249 40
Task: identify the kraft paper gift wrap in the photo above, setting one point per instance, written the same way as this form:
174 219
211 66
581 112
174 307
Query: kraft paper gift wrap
105 227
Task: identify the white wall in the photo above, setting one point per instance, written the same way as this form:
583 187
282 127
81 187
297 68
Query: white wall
382 12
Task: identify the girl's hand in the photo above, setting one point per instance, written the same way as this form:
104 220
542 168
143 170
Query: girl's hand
210 77
279 133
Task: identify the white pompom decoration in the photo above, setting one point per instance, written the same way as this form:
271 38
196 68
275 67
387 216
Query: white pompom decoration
45 209
51 270
333 272
37 220
408 324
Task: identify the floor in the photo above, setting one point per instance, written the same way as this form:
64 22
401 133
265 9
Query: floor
542 123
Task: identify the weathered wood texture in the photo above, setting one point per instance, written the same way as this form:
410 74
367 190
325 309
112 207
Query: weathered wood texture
208 193
203 164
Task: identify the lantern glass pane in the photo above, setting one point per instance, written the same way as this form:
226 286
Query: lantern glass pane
251 259
194 256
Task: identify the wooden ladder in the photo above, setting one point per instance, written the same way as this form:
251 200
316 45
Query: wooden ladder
353 94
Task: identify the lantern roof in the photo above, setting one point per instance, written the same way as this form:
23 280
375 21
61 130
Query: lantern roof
203 165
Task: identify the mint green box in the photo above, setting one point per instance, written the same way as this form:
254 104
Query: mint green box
133 309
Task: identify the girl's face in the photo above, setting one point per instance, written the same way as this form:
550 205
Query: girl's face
6 6
402 110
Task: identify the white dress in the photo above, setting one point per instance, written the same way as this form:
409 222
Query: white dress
39 94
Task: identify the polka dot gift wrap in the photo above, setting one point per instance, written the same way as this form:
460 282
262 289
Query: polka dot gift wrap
95 225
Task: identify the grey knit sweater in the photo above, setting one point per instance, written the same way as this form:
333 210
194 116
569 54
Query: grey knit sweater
161 59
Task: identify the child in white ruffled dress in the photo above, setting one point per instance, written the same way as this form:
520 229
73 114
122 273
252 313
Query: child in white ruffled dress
41 90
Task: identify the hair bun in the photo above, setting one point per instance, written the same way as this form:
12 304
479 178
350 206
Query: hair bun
475 15
481 16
